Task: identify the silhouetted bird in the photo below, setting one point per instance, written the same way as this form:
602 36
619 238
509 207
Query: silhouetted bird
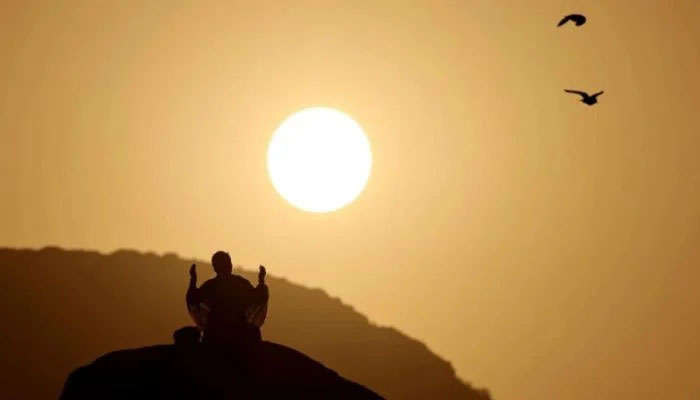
585 97
577 18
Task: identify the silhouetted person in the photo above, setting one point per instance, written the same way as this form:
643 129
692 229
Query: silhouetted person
585 97
578 19
228 308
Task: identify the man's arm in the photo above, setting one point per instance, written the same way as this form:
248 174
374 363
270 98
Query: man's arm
258 311
193 296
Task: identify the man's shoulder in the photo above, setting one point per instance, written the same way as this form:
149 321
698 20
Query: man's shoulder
239 280
230 281
215 281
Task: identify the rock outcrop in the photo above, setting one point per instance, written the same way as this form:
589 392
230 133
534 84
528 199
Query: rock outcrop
189 370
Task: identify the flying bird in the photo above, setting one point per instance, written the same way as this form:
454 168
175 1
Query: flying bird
578 19
585 97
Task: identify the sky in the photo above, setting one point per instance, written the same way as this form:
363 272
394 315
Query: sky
546 248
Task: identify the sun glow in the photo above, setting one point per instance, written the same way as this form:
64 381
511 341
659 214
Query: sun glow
319 159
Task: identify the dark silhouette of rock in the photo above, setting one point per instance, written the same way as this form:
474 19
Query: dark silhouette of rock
585 97
578 19
191 370
64 308
187 336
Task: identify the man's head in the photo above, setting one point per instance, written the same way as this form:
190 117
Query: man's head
221 262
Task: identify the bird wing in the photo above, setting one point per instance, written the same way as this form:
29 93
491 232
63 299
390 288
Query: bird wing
577 18
597 94
578 92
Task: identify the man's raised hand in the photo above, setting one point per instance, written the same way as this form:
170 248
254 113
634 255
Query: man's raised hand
193 272
261 274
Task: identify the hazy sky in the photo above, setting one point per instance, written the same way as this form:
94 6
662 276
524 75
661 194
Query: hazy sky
548 249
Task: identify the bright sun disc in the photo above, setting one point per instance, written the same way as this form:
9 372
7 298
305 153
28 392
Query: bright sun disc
319 159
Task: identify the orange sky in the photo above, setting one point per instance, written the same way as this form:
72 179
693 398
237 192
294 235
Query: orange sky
548 249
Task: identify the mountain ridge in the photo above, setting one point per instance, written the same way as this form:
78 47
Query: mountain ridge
80 295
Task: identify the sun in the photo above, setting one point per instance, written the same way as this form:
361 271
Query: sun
319 159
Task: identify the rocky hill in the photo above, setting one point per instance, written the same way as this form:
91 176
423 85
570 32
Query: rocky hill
192 371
